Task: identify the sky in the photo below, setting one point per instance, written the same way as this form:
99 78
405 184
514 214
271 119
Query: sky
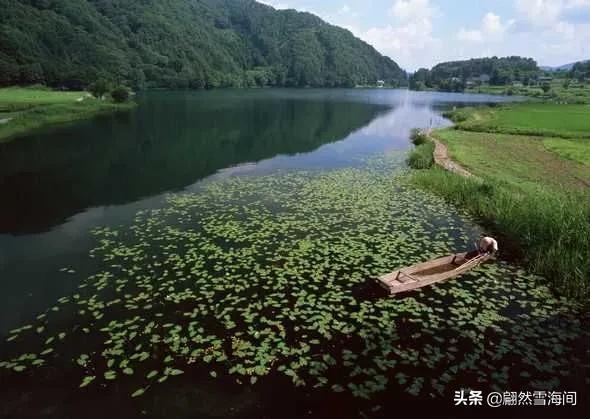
422 33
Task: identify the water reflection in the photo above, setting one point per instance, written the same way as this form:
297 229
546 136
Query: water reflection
170 142
57 185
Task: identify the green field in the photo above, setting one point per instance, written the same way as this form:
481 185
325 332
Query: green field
15 98
541 119
575 93
577 150
519 159
25 109
533 190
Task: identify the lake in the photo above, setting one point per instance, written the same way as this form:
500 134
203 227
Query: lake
210 254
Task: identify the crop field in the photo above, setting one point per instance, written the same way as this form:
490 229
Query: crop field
574 93
533 160
522 159
566 121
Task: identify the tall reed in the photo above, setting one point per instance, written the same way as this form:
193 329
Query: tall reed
552 228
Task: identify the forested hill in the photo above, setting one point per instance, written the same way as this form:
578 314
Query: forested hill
454 75
180 43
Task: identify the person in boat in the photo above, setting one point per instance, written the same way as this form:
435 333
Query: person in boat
487 245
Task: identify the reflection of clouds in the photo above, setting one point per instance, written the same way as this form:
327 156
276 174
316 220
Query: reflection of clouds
388 131
236 170
402 119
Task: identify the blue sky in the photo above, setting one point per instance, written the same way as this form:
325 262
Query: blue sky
422 33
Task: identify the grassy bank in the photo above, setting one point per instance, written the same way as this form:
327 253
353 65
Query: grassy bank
559 91
534 190
421 157
25 109
539 119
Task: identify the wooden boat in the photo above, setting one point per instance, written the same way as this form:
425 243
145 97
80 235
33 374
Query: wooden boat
427 273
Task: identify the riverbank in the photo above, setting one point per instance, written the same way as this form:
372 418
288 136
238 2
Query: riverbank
531 189
26 109
560 90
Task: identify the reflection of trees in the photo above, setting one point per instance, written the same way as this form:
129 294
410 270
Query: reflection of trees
166 144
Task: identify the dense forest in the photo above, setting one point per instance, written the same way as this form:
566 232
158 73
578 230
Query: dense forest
580 71
179 44
456 75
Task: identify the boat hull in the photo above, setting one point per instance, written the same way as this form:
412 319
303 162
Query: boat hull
428 273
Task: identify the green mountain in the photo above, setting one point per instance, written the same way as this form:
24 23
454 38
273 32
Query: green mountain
180 43
454 75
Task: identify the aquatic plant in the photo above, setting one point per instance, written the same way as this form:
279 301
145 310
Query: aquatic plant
257 275
550 225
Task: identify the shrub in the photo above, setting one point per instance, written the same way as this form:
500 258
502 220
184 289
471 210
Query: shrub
418 136
99 88
457 115
120 94
422 156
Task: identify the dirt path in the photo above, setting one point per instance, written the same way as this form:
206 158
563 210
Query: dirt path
441 157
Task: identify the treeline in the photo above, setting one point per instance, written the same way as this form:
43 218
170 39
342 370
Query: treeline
580 71
180 44
457 75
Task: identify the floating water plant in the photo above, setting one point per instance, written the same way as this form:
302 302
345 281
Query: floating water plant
257 275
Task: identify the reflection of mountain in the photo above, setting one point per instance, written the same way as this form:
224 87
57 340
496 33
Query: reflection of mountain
169 142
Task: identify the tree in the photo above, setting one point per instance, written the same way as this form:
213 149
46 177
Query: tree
120 94
179 43
99 88
546 87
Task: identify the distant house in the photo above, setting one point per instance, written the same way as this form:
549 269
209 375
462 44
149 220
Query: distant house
545 79
471 83
380 83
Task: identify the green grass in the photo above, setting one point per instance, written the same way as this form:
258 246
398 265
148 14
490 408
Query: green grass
576 93
542 119
19 98
551 228
576 150
532 189
418 136
421 156
26 109
519 160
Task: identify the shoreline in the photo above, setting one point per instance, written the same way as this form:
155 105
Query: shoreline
520 188
25 110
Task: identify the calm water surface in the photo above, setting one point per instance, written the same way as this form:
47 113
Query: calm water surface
57 185
255 163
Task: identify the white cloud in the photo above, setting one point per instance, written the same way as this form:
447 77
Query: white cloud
491 24
540 12
408 39
491 30
473 35
543 13
551 31
566 30
409 10
347 11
